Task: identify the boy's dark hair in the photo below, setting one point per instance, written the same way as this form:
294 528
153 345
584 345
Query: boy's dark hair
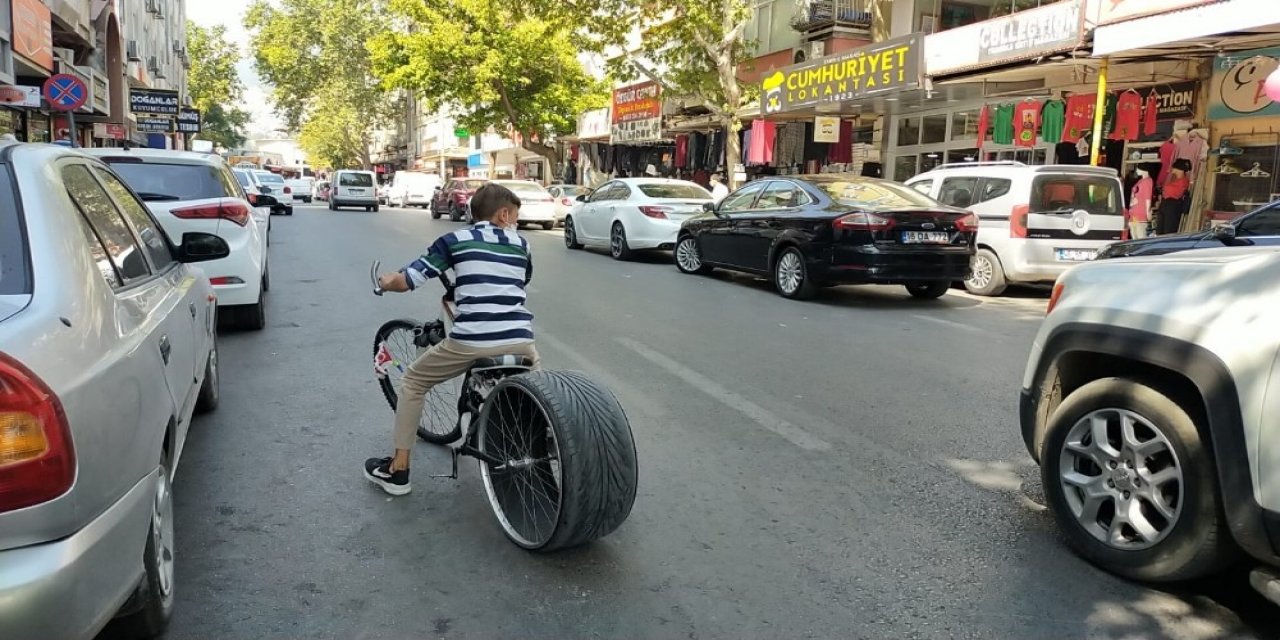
489 198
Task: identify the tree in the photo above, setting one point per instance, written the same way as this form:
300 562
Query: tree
314 55
510 66
214 85
691 49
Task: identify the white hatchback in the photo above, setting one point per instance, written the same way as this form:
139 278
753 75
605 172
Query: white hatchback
631 214
278 189
190 192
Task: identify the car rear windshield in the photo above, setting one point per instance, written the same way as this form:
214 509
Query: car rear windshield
525 190
355 180
161 182
876 194
471 184
270 177
1099 195
14 277
690 191
243 178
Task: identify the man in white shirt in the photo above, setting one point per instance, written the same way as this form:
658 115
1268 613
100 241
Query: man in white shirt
718 189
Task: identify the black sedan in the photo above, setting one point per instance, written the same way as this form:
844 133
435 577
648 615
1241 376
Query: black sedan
808 232
1260 227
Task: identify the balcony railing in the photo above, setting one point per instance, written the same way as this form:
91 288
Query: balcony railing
814 15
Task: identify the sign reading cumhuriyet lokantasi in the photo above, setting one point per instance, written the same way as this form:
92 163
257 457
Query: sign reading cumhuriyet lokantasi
637 113
1027 34
153 101
188 120
152 124
884 67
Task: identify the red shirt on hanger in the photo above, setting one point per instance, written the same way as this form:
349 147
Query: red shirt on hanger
984 122
1079 120
1150 114
1128 116
1026 121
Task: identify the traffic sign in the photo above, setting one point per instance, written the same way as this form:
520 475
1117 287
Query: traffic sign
65 92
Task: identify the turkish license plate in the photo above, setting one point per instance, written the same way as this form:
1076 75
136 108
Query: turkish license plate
925 237
357 191
1075 255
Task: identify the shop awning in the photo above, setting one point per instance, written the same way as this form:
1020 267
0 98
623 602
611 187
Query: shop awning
1234 25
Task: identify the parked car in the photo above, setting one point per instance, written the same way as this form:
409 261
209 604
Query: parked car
322 190
196 192
566 197
282 192
109 348
809 232
412 189
1260 227
536 204
454 197
304 189
1034 221
351 188
1149 401
634 214
258 195
382 194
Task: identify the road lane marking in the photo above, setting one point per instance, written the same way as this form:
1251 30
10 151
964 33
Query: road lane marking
732 399
949 323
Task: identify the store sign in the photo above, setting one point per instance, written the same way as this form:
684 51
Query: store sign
1031 33
594 124
188 120
826 129
153 101
885 67
1113 11
20 96
1235 90
155 125
33 32
637 113
1177 100
106 131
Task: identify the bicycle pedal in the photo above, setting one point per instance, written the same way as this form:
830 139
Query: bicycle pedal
436 460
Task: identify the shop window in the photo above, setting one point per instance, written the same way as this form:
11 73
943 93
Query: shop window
904 167
958 192
964 125
934 129
962 155
930 161
908 131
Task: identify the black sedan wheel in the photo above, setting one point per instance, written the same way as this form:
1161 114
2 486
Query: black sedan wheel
454 214
571 235
618 247
689 257
928 290
791 278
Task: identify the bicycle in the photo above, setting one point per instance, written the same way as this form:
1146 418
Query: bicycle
555 450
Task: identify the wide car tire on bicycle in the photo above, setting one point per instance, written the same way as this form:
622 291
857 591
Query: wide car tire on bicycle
597 455
389 390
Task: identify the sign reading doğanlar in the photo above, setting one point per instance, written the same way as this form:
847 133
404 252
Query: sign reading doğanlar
885 67
637 113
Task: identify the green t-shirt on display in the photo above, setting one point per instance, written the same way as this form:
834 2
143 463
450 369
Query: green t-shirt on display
1002 128
1052 119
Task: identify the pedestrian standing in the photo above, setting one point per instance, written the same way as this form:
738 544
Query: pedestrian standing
718 188
1175 197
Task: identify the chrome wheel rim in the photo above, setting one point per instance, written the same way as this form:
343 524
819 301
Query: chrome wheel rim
687 255
790 272
440 413
616 240
162 532
213 368
1122 479
525 491
980 274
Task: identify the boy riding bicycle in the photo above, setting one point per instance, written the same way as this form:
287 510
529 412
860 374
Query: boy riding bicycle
491 265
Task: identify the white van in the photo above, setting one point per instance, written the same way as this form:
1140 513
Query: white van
412 189
1034 221
354 189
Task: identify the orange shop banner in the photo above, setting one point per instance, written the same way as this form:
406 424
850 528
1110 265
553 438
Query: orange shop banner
637 113
33 33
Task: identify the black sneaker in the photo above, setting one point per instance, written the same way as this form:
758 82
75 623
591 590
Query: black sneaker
378 471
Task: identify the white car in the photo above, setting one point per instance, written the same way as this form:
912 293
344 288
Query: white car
1150 400
304 189
279 190
188 192
566 197
352 188
412 189
536 205
253 190
1034 222
632 214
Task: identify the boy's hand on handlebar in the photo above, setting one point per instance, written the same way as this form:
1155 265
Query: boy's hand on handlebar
394 282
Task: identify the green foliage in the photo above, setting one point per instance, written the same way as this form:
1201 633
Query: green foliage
513 67
214 85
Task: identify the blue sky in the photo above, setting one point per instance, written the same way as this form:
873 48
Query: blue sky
229 13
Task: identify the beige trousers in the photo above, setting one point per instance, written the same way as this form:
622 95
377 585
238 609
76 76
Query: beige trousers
441 363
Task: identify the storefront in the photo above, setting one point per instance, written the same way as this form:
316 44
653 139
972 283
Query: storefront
1244 134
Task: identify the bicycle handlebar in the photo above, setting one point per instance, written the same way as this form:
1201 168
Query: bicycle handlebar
378 290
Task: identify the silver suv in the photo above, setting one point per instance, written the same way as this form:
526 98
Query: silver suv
1151 401
1034 222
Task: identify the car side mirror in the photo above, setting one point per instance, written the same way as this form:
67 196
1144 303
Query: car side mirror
1225 233
201 247
266 201
264 189
582 198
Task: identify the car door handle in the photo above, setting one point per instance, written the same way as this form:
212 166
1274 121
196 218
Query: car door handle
165 348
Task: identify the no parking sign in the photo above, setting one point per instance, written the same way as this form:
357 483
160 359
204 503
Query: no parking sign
65 92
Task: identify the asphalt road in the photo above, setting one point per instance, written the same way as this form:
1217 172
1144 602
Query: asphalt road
846 468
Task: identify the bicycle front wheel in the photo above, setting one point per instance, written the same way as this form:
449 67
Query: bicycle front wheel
564 468
439 423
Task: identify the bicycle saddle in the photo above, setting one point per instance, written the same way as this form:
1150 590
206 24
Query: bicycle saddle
509 361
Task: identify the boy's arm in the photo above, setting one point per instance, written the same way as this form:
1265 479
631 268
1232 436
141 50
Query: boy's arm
429 265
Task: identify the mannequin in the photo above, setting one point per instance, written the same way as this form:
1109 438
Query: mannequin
1139 213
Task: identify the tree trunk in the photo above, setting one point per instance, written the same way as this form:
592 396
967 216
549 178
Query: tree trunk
732 152
548 151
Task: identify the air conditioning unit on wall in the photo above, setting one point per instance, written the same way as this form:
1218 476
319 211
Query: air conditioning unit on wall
131 51
808 51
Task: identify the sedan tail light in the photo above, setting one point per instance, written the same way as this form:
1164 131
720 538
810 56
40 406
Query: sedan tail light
226 209
967 223
288 190
566 202
1018 221
37 459
657 213
1055 297
862 221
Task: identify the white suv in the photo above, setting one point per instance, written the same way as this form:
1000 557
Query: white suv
1034 221
1151 400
